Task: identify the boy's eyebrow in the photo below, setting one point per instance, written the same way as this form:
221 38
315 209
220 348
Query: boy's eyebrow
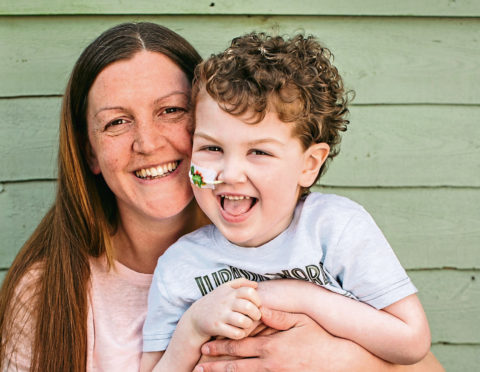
265 140
204 135
250 143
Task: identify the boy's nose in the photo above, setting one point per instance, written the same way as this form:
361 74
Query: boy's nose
232 171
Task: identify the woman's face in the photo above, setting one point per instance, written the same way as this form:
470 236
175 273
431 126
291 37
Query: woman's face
139 129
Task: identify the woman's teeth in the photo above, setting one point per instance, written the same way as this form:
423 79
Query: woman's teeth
157 172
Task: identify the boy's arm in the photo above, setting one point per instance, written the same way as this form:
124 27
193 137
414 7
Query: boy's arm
398 334
231 310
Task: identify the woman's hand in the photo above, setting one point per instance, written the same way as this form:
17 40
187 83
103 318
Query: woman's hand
302 346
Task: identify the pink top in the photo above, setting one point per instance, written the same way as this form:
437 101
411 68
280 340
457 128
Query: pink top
117 310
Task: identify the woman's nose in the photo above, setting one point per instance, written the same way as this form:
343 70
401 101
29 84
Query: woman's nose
148 137
232 171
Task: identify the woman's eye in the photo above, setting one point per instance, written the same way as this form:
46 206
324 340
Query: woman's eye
115 123
172 110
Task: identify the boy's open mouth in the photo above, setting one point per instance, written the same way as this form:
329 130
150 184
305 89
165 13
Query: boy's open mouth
158 171
237 204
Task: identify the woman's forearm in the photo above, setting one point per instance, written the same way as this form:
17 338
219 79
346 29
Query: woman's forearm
302 345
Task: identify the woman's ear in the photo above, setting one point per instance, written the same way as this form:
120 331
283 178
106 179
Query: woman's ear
92 159
314 157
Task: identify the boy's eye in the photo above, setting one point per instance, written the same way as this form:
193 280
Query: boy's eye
259 152
213 148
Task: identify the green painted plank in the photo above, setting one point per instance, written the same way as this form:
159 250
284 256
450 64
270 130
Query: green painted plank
29 138
409 146
384 146
451 299
22 206
2 275
427 228
419 223
386 60
464 8
458 358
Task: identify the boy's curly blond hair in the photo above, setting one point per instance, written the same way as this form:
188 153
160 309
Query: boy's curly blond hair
293 77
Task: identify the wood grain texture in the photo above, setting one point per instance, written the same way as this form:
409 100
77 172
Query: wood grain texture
451 299
29 138
447 8
384 145
458 358
22 206
409 146
386 60
427 228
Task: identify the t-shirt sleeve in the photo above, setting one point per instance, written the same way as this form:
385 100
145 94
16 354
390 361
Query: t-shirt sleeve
164 310
365 265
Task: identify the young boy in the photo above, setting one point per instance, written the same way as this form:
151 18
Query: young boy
268 116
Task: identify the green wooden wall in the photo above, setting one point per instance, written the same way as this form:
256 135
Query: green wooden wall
411 156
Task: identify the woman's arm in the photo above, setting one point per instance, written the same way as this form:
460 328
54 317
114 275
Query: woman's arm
398 334
301 346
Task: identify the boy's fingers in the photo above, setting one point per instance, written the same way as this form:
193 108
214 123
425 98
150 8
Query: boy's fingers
230 331
248 308
239 320
242 282
249 294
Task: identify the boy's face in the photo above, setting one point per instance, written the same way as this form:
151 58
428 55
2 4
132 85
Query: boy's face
262 167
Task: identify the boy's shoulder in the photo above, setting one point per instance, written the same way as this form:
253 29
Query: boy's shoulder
327 203
200 236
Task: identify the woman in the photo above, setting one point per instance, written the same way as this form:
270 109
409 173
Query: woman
75 296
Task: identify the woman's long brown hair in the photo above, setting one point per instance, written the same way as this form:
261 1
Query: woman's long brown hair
81 220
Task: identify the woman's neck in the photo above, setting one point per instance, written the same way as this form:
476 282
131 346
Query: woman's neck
138 242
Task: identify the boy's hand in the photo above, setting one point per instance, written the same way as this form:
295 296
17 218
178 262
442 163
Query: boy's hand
231 310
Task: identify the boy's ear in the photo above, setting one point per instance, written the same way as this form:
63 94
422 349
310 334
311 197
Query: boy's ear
92 159
314 157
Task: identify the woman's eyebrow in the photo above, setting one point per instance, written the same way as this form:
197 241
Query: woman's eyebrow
157 101
174 93
107 108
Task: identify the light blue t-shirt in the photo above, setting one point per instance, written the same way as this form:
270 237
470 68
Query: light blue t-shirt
331 241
